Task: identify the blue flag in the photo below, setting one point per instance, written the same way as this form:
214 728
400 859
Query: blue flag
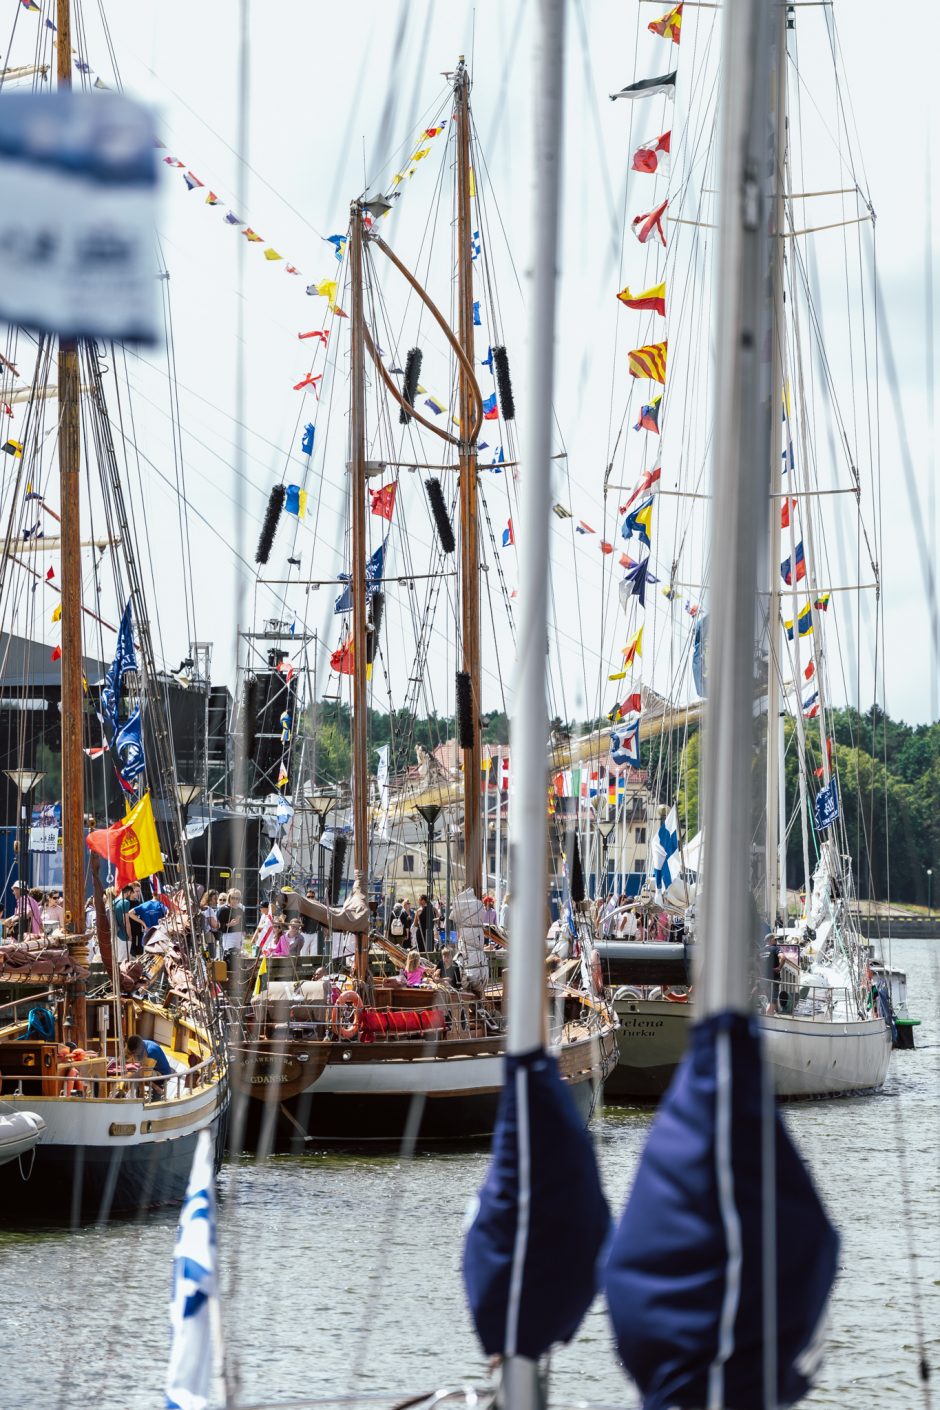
373 580
635 582
339 244
129 746
124 660
477 320
306 442
699 654
826 805
625 743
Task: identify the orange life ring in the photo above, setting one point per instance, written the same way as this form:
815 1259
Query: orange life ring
348 999
675 998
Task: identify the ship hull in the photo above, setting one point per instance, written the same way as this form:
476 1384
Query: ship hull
294 1096
101 1158
809 1058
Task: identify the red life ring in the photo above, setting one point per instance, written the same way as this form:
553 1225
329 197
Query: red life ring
348 999
675 998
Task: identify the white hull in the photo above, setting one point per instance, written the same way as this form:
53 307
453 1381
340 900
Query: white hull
809 1057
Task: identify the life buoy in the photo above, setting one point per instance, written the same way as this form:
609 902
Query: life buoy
351 1000
675 998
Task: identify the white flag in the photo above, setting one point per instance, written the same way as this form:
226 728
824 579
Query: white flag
194 1287
273 863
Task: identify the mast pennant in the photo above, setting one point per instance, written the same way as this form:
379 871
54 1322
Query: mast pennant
647 87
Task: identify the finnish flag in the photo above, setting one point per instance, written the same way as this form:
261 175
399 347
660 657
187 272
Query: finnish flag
273 863
664 852
194 1287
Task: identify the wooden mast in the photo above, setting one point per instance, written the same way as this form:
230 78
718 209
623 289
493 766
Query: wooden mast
73 798
469 525
357 574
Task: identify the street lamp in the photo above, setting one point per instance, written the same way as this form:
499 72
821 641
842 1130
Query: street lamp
25 780
929 888
321 804
605 829
430 812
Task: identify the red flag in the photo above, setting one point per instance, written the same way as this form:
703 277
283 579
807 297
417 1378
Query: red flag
291 269
810 670
341 660
317 333
787 505
653 157
647 481
644 226
606 547
50 573
633 705
309 381
56 653
383 500
820 771
626 561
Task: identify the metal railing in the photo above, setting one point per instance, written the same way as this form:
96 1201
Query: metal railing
150 1087
314 1021
816 1002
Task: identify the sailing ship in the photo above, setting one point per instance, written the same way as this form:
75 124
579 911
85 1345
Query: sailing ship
827 1024
368 1056
114 1135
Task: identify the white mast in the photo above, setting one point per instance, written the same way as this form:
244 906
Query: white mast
741 485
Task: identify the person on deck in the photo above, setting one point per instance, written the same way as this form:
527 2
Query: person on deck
295 936
32 913
232 923
139 1050
143 917
504 913
424 925
399 923
53 914
450 971
489 911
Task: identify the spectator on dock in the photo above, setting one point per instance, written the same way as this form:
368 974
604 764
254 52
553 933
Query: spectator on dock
232 922
424 925
489 911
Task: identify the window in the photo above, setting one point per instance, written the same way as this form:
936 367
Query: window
641 834
639 865
408 862
436 864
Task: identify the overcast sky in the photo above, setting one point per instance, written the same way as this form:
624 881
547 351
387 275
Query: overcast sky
330 101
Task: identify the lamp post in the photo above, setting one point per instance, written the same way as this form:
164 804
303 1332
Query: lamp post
321 804
430 812
929 895
605 828
25 780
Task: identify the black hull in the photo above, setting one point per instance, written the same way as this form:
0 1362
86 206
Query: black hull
632 1084
86 1184
379 1121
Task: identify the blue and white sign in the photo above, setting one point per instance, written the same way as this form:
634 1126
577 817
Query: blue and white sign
79 182
826 806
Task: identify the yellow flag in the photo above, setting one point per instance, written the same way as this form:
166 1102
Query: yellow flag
262 980
633 648
327 289
57 612
420 155
250 235
140 846
473 184
618 676
272 254
398 178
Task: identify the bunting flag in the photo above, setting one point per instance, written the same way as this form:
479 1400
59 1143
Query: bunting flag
477 320
252 237
647 87
822 602
490 409
488 360
192 181
383 500
633 705
57 612
177 165
295 501
475 247
654 299
508 536
232 219
633 648
582 528
809 670
374 568
327 289
432 131
639 522
786 569
341 660
321 333
307 439
339 244
785 510
272 254
212 199
618 676
649 416
649 361
805 621
56 654
811 706
669 26
647 480
561 512
14 448
650 224
437 407
606 547
635 582
309 381
626 561
654 157
625 744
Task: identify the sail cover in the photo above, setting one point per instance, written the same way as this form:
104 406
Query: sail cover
530 1257
684 1278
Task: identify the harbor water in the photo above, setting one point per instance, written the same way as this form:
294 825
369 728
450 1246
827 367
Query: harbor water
342 1274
